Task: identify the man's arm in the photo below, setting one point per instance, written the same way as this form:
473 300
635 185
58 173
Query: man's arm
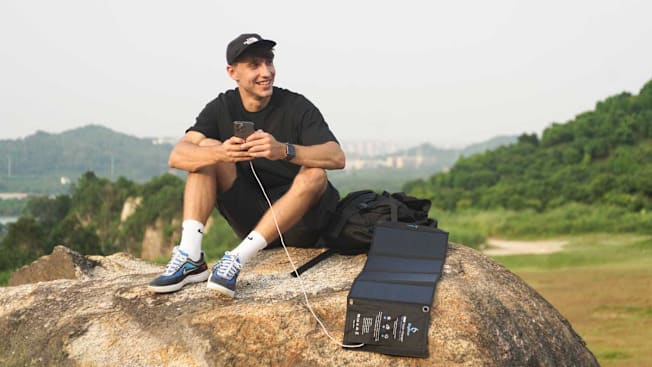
328 155
195 151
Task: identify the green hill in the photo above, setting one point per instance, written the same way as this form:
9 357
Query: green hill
38 162
599 157
490 144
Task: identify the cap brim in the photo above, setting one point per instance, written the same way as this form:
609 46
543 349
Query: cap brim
260 43
270 43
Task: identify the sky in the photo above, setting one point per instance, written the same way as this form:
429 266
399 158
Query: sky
448 73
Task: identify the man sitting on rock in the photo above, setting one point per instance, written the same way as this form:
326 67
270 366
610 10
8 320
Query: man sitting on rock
291 148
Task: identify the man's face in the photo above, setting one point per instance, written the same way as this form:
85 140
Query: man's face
255 76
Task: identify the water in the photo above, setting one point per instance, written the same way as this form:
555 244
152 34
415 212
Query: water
7 220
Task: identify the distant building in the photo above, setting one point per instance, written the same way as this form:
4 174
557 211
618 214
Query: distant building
13 195
371 148
165 140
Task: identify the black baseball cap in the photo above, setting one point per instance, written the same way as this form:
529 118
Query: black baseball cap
242 43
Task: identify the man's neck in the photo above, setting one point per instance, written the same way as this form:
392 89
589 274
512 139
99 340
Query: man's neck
253 104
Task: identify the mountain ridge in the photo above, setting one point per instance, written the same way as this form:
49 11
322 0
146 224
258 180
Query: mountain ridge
41 162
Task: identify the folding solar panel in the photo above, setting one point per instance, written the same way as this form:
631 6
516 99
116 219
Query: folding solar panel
389 302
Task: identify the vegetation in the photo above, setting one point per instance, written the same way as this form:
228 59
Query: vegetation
376 179
89 221
219 237
37 163
11 207
600 282
83 221
162 199
600 157
473 226
588 181
392 179
4 276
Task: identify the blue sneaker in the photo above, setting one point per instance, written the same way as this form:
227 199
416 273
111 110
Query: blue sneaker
181 270
225 273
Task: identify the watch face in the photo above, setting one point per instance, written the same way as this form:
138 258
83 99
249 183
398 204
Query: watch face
289 152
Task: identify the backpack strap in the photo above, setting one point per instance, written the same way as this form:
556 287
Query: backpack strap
357 201
314 261
393 206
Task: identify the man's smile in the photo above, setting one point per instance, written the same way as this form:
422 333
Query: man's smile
265 83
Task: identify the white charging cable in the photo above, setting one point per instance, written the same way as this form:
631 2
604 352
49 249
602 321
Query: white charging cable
303 288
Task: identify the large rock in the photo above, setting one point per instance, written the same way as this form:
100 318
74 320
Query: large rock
483 315
62 263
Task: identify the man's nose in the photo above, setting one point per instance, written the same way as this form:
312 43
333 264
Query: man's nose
265 69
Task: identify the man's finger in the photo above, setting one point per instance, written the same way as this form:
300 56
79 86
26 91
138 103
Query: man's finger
258 134
235 147
234 140
260 148
238 155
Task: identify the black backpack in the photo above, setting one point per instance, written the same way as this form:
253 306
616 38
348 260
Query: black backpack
351 227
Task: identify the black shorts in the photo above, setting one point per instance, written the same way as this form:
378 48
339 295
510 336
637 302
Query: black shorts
244 204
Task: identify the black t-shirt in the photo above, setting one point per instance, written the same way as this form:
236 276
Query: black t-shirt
289 117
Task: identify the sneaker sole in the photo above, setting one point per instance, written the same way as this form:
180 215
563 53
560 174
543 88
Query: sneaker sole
195 278
220 288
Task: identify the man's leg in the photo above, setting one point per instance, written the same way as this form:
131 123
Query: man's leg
201 189
187 264
307 188
199 199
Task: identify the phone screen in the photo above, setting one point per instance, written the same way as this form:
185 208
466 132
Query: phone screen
243 129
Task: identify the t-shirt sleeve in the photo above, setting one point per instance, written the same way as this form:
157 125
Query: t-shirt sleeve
314 129
206 122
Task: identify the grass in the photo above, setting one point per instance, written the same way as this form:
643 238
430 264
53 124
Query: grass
602 283
593 250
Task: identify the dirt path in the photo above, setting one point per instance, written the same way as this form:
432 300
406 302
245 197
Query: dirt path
502 247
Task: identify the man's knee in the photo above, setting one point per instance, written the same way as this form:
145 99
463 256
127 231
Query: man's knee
311 179
221 174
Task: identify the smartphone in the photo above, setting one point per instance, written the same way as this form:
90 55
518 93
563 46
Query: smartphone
242 129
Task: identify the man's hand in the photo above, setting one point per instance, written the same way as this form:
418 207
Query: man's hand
235 150
263 145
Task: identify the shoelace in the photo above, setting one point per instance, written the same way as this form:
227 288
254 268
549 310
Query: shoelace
228 266
177 260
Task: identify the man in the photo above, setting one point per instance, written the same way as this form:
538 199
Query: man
290 149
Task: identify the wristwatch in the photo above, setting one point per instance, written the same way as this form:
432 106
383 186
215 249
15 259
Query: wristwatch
290 152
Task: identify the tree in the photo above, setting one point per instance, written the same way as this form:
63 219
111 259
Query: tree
601 156
24 242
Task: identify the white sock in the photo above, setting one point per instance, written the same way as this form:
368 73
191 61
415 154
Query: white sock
253 243
191 236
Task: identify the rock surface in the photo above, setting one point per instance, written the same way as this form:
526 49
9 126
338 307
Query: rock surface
482 315
62 263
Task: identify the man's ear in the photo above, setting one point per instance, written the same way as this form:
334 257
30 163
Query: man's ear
232 72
